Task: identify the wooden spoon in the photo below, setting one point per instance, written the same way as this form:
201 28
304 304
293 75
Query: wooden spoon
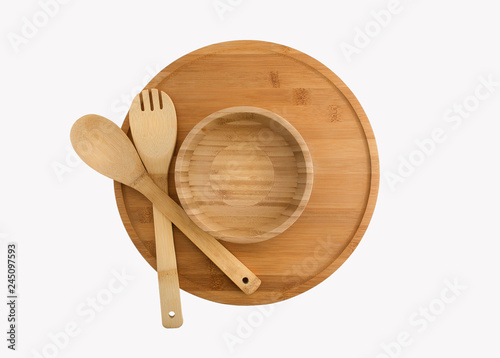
153 123
106 148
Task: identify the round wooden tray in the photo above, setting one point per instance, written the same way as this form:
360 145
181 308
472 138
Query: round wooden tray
341 143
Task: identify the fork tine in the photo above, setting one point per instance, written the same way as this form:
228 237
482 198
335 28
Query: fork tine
145 99
166 100
136 103
155 99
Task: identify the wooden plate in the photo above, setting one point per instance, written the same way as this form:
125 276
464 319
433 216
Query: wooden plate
244 174
342 147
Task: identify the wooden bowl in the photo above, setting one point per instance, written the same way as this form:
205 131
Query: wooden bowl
244 174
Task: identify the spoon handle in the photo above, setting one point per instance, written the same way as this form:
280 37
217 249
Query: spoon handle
245 279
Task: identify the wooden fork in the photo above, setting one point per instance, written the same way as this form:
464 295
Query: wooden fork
153 123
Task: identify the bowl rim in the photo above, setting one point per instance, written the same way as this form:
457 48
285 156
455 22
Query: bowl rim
184 189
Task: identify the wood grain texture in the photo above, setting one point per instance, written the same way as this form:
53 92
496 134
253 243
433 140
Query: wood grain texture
237 272
103 146
342 146
244 174
153 124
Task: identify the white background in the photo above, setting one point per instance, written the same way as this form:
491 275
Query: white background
439 224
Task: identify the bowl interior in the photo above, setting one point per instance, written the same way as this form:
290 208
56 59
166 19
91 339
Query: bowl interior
244 174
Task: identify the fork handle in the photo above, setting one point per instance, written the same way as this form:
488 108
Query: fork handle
168 278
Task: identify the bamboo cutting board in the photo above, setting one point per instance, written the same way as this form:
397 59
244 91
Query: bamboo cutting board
342 147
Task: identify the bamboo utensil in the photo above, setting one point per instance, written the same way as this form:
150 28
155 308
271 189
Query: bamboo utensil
106 148
153 123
